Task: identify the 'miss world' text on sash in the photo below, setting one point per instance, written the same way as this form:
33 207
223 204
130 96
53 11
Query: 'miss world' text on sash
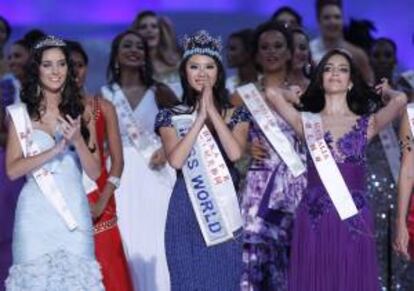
209 185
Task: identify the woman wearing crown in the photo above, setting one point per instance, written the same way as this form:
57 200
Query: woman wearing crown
50 143
201 138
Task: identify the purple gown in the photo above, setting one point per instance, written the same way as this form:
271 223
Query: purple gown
327 253
8 192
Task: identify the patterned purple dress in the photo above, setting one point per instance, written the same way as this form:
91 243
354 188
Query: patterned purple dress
8 191
327 253
270 197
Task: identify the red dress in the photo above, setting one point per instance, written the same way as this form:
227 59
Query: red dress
108 245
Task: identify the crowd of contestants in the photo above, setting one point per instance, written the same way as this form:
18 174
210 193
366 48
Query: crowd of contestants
118 162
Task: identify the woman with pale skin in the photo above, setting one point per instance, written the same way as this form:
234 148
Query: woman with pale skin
341 252
141 204
108 245
331 22
193 265
43 245
160 36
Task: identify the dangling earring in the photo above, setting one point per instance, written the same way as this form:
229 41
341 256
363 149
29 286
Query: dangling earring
38 90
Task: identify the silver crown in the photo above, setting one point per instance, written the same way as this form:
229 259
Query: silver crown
201 43
50 40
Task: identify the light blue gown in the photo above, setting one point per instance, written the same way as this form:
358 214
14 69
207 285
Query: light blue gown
46 254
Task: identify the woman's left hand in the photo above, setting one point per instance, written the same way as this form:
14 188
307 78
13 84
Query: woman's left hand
383 89
71 129
158 159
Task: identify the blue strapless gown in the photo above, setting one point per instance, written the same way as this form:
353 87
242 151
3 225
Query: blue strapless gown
46 254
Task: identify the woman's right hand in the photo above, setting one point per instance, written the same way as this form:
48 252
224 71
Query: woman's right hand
401 240
257 150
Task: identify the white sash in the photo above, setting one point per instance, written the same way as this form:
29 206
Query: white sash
209 185
391 148
410 114
42 176
326 166
267 122
143 142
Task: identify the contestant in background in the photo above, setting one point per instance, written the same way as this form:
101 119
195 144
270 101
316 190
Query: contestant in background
239 57
159 33
5 31
192 263
146 182
271 191
49 142
330 18
333 245
383 164
302 64
10 86
108 244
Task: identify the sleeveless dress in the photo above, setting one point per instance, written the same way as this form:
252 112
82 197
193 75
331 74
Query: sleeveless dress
327 253
142 202
108 244
9 190
267 234
193 265
46 255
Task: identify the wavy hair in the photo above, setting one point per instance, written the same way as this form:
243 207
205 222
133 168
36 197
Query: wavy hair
71 100
361 98
167 49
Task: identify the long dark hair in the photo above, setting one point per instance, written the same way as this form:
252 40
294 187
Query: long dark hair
71 100
164 96
220 93
361 98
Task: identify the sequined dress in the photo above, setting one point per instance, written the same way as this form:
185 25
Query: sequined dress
193 265
327 253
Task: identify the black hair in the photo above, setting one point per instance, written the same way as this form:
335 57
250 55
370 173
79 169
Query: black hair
71 100
269 26
320 4
287 9
385 40
220 93
31 38
75 46
246 36
361 98
7 27
164 95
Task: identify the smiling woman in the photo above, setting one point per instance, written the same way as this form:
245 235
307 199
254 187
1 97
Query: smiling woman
53 230
146 182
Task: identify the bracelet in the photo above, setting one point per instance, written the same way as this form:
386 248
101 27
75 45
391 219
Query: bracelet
116 181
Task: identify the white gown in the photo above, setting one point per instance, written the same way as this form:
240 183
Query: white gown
46 255
142 204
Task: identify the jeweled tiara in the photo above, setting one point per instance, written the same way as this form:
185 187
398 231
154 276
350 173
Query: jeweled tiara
49 40
201 43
